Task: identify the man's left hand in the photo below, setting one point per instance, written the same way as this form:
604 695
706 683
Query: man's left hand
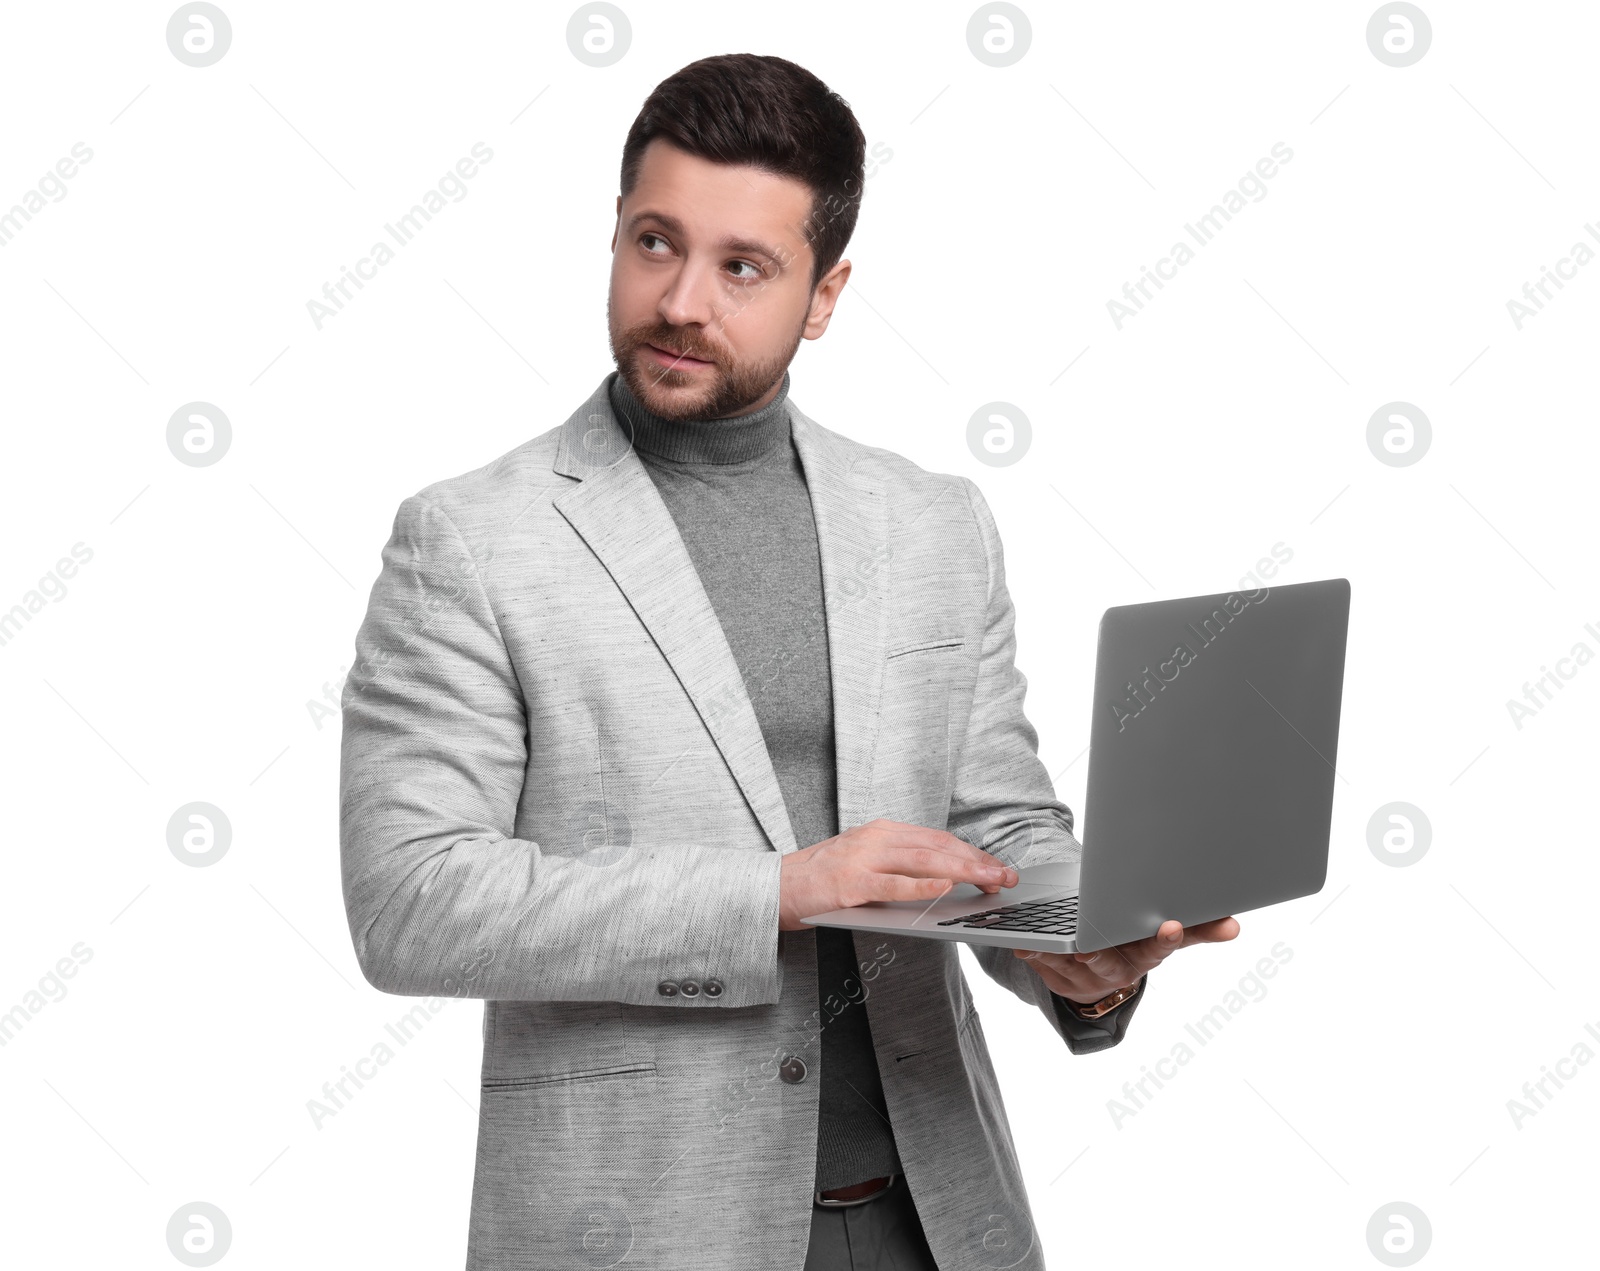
1087 977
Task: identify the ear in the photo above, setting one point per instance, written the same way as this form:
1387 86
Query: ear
825 297
617 228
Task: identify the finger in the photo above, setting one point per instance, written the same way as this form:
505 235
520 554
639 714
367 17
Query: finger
1122 963
1150 953
1058 971
877 886
908 881
931 862
1142 955
920 836
1214 932
885 886
1062 964
1172 935
1064 975
899 833
923 874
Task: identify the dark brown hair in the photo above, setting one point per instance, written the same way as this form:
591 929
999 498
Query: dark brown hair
747 108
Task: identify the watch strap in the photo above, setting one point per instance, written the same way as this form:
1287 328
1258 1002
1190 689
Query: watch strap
1107 1004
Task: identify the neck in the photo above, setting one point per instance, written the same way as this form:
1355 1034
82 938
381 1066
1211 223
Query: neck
731 440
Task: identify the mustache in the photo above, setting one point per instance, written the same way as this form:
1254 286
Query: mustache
679 344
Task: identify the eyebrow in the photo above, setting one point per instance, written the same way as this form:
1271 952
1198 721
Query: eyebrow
728 242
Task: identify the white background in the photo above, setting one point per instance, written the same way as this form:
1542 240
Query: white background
1230 415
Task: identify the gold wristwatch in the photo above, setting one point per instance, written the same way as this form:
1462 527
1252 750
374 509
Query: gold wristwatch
1107 1004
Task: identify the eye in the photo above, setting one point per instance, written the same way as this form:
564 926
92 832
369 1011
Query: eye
755 270
649 235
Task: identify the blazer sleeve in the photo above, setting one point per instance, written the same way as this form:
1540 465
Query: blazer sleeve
1002 799
442 897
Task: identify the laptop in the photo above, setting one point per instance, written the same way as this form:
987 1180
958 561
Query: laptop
1212 752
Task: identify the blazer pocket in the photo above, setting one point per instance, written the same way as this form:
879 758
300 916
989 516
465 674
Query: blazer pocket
928 645
614 1071
912 776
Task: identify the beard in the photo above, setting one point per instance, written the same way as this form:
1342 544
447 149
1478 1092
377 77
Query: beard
722 389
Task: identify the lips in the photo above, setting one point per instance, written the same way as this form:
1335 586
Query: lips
673 355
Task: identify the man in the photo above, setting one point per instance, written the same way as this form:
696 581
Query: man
635 698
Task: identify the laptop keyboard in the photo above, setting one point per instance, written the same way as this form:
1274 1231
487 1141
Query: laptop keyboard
1044 917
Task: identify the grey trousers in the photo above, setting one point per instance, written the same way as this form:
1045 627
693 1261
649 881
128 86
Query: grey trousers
884 1234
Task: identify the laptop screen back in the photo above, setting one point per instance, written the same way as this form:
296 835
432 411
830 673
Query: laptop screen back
1212 757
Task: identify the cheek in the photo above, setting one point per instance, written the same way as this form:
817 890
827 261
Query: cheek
751 333
634 291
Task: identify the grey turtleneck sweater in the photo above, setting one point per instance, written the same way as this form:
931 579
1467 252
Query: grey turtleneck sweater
737 492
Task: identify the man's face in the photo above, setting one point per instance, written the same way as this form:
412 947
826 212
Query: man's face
711 284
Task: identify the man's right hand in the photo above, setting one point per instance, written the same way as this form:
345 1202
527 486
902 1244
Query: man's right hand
881 860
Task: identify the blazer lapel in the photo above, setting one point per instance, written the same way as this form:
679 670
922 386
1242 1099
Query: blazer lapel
847 499
618 512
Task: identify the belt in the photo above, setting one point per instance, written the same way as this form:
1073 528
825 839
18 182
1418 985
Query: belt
855 1194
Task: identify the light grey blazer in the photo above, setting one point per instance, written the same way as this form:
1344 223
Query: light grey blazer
555 796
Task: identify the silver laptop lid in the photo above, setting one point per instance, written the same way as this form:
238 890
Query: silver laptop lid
1211 757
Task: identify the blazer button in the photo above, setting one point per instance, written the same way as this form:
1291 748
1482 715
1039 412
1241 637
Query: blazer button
689 988
667 989
713 988
793 1069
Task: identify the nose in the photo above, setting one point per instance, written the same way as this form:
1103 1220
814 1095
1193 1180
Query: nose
690 300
